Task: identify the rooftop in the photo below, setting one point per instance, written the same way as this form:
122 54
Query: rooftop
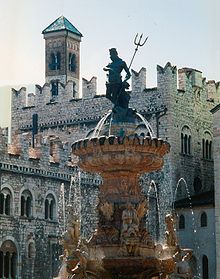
61 24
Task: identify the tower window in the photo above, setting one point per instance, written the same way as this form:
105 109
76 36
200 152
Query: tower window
54 88
55 61
72 62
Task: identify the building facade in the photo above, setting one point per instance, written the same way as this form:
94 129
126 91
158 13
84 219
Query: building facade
38 161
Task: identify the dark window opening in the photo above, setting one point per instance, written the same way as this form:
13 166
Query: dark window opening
51 209
72 62
28 207
74 89
181 222
8 260
46 208
22 205
182 143
185 144
203 220
7 205
55 61
2 202
26 204
189 144
54 88
205 267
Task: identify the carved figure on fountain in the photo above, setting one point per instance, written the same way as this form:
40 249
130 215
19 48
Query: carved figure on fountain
182 266
170 233
71 236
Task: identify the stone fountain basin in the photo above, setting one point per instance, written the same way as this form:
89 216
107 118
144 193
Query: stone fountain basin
130 153
128 266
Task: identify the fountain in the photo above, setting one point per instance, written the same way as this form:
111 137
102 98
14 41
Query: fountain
121 246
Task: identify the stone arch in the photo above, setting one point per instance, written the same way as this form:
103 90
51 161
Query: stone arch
12 245
53 196
207 145
7 188
186 140
26 188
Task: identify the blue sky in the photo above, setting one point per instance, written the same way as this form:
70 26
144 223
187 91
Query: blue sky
182 32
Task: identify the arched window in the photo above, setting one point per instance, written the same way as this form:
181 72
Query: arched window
186 140
182 222
8 260
55 61
50 207
26 203
205 267
5 202
203 220
72 62
52 64
207 146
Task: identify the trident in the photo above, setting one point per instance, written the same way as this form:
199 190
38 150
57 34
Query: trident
138 44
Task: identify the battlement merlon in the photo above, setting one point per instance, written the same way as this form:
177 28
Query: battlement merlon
138 80
44 102
89 88
47 150
191 80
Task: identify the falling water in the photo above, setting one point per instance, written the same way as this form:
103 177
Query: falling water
146 124
61 210
75 193
196 251
100 124
154 210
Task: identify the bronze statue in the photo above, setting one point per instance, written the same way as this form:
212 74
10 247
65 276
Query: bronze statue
115 87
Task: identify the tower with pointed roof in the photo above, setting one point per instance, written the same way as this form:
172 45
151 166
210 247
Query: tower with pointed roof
62 53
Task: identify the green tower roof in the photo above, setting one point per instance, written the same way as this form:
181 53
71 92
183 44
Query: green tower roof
60 24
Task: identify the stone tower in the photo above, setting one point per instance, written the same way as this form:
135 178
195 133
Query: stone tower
62 54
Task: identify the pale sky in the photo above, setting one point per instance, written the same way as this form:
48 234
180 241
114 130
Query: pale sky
182 32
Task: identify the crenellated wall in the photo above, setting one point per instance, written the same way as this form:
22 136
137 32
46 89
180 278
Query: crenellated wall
182 98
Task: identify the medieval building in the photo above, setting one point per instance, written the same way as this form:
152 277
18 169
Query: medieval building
38 161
